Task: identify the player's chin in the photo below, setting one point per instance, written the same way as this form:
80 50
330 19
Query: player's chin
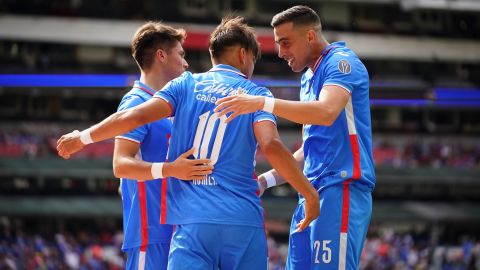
296 68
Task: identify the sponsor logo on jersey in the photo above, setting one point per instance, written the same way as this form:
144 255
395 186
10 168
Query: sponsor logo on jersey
210 90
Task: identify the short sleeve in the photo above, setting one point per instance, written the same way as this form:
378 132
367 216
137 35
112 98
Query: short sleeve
173 91
341 70
138 134
259 116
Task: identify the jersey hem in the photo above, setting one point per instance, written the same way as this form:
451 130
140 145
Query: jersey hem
221 222
127 138
138 244
264 119
168 103
341 86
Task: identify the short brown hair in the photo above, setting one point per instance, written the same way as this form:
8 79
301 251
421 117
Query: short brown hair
233 31
298 15
153 36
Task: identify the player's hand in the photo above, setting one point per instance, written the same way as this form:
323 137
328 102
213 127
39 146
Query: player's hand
312 210
69 144
262 184
239 104
188 169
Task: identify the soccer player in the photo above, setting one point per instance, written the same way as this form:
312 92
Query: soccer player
157 50
337 142
219 218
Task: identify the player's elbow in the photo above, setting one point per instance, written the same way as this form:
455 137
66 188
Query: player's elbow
271 147
330 119
119 169
325 117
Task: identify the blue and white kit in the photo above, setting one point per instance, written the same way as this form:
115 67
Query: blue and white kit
228 197
339 164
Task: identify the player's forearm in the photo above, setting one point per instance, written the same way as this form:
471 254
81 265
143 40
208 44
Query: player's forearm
116 124
132 168
312 112
285 165
298 157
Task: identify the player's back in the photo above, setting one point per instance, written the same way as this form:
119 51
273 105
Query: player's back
228 195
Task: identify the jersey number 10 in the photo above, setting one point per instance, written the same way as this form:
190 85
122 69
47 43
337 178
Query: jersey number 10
203 136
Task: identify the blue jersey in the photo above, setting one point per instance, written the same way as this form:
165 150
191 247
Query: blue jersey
144 201
343 150
228 195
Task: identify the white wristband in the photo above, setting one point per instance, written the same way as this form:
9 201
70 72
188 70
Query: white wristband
157 170
268 104
85 137
270 179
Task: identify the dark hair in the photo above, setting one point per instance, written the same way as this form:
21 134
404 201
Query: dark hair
153 36
298 15
233 31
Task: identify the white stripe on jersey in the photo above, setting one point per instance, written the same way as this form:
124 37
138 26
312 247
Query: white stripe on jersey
350 117
266 119
141 260
342 257
128 139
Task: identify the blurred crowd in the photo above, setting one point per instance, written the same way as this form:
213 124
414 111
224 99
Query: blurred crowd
409 252
395 251
432 153
40 141
83 250
35 141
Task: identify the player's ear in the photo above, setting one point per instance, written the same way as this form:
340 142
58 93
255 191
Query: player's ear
161 55
311 36
242 54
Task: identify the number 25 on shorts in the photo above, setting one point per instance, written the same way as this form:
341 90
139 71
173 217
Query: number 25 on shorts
324 249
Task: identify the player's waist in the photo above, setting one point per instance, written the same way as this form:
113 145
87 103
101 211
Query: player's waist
334 178
321 184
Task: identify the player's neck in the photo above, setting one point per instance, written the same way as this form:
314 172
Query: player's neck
317 51
152 80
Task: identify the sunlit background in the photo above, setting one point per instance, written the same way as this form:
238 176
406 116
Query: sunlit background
65 64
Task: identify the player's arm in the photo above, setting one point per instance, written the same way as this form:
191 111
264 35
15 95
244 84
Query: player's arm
125 165
118 123
283 162
324 111
273 178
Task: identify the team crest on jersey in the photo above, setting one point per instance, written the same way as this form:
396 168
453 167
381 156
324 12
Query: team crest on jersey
344 67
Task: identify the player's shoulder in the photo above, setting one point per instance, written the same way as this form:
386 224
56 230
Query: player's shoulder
131 99
342 53
343 59
254 89
185 76
177 83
